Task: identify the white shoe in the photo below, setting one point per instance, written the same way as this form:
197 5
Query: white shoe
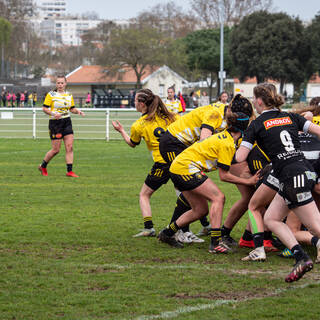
182 237
258 254
205 231
193 237
146 233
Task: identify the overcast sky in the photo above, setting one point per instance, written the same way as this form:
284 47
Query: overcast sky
124 9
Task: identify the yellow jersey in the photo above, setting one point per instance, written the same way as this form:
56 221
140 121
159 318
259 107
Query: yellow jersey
316 120
150 131
207 155
59 102
188 127
174 106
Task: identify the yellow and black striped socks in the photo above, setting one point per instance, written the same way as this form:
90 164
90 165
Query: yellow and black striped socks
148 224
171 229
215 236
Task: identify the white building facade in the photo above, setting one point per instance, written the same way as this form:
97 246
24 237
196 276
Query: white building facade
66 31
47 9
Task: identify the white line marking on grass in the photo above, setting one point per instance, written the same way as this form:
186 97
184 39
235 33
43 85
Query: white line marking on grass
199 307
173 314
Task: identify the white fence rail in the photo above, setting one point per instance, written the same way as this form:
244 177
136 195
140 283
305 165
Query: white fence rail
33 123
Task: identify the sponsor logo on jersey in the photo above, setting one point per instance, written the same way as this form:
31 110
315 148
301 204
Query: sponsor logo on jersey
277 122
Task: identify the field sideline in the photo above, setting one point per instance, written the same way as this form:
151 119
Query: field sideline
67 251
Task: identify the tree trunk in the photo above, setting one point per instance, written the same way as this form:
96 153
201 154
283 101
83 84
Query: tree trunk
218 84
282 83
210 84
139 76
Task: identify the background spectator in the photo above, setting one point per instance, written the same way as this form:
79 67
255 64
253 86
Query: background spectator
132 95
88 99
4 98
22 98
34 98
204 99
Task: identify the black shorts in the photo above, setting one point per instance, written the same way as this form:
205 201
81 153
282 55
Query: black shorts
60 128
256 160
188 182
170 147
296 183
271 181
158 175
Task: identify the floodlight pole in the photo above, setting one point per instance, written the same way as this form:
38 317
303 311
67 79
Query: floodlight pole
221 73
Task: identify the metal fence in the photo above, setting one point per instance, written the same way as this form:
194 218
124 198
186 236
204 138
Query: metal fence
33 123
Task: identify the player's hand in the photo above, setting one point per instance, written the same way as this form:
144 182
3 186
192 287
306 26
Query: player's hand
254 179
57 115
117 125
81 113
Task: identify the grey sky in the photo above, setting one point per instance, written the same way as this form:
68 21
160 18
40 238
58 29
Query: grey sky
124 9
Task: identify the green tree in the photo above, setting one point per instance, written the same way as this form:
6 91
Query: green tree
5 31
270 46
133 47
203 54
17 13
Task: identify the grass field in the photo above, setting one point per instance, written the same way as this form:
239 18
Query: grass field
67 251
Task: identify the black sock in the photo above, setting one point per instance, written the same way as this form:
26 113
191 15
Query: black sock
225 231
69 167
215 236
267 235
44 164
298 253
204 221
247 235
171 229
314 241
258 239
182 206
148 224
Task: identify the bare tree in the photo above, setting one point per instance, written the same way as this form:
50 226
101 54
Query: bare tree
209 11
168 18
133 48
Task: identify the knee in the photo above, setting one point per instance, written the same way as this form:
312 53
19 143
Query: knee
55 151
252 206
200 210
219 198
69 148
267 222
144 194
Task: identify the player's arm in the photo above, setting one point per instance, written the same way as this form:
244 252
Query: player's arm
77 111
205 133
46 108
226 176
47 111
118 126
308 115
242 153
314 129
74 110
